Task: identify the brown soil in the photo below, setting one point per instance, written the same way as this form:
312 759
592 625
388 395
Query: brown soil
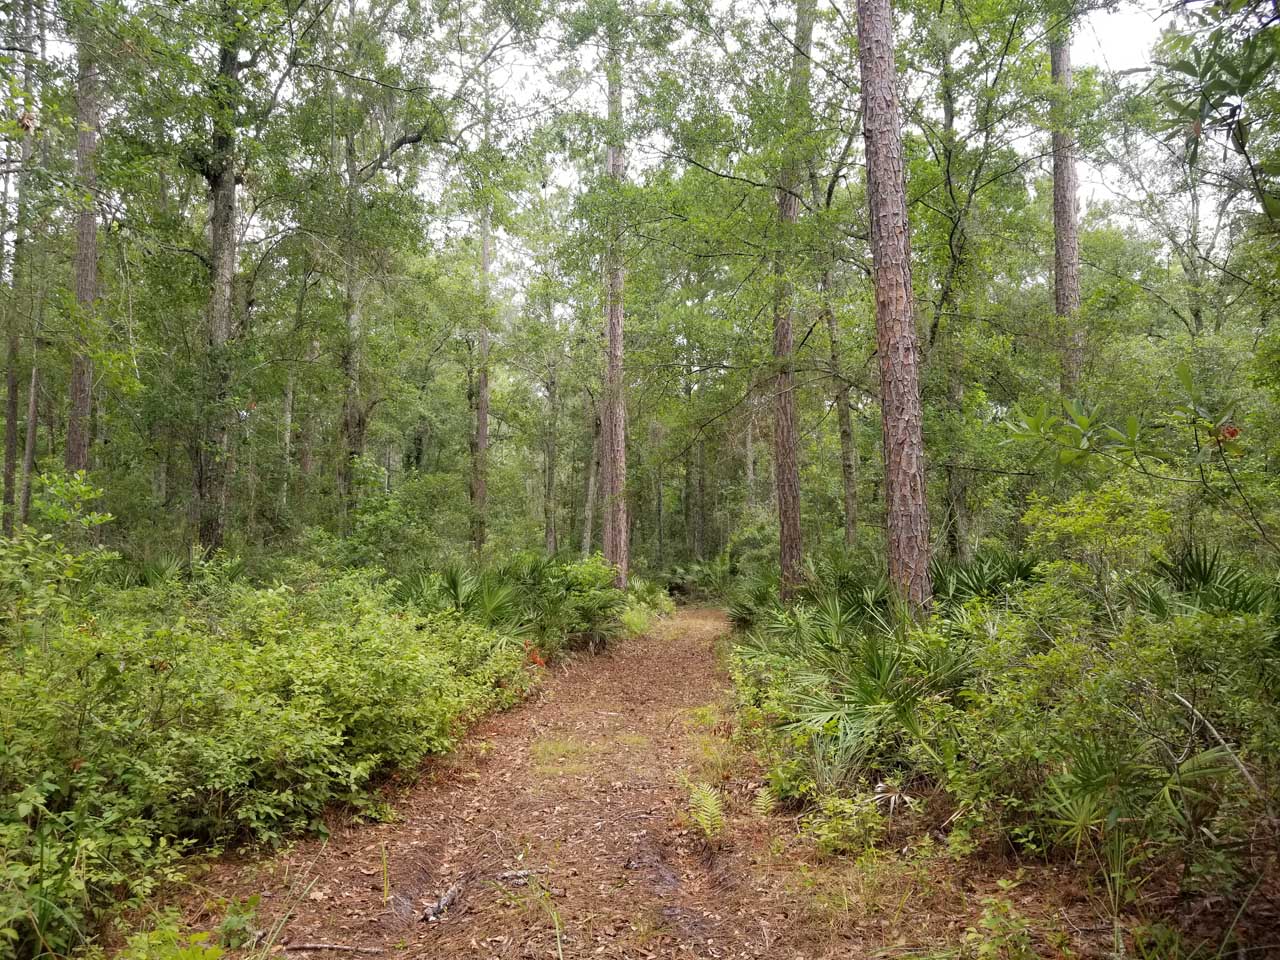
561 830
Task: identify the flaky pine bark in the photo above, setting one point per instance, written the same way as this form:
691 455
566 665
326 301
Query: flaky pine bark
86 255
1066 236
906 514
480 401
785 443
614 428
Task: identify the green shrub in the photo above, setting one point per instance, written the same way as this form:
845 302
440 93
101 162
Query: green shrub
208 711
1038 717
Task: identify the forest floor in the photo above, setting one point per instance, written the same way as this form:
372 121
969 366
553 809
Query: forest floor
560 829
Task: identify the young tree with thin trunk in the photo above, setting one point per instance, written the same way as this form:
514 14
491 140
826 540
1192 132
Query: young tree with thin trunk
785 443
479 444
86 252
24 34
614 420
1066 229
906 513
593 475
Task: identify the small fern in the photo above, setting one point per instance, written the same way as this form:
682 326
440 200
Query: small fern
764 802
706 809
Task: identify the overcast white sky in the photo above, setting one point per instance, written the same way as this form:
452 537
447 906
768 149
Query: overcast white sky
1119 40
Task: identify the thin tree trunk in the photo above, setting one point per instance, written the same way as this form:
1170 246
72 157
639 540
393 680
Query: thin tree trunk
616 527
593 472
700 500
785 442
844 420
549 493
306 432
750 457
480 436
906 514
944 323
1066 237
29 446
354 411
86 256
23 36
661 556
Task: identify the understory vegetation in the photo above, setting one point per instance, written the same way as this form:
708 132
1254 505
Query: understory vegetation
152 709
361 358
1109 695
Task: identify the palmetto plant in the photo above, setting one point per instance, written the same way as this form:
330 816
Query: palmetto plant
987 575
1209 582
859 682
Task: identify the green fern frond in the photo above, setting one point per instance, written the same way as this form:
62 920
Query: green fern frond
764 802
706 809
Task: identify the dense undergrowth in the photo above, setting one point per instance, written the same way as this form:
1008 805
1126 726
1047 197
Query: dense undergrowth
1109 696
155 708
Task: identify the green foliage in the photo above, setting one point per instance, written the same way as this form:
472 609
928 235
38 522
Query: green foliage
1053 711
844 825
706 810
210 710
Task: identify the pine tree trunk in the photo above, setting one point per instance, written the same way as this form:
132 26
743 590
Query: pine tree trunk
785 441
749 455
614 442
480 436
906 514
86 256
1066 237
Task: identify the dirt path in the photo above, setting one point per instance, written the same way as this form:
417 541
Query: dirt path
559 825
560 830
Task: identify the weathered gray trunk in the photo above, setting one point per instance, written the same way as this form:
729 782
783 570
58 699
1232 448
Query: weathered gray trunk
211 445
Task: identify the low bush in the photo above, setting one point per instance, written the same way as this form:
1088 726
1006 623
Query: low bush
1047 707
138 722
